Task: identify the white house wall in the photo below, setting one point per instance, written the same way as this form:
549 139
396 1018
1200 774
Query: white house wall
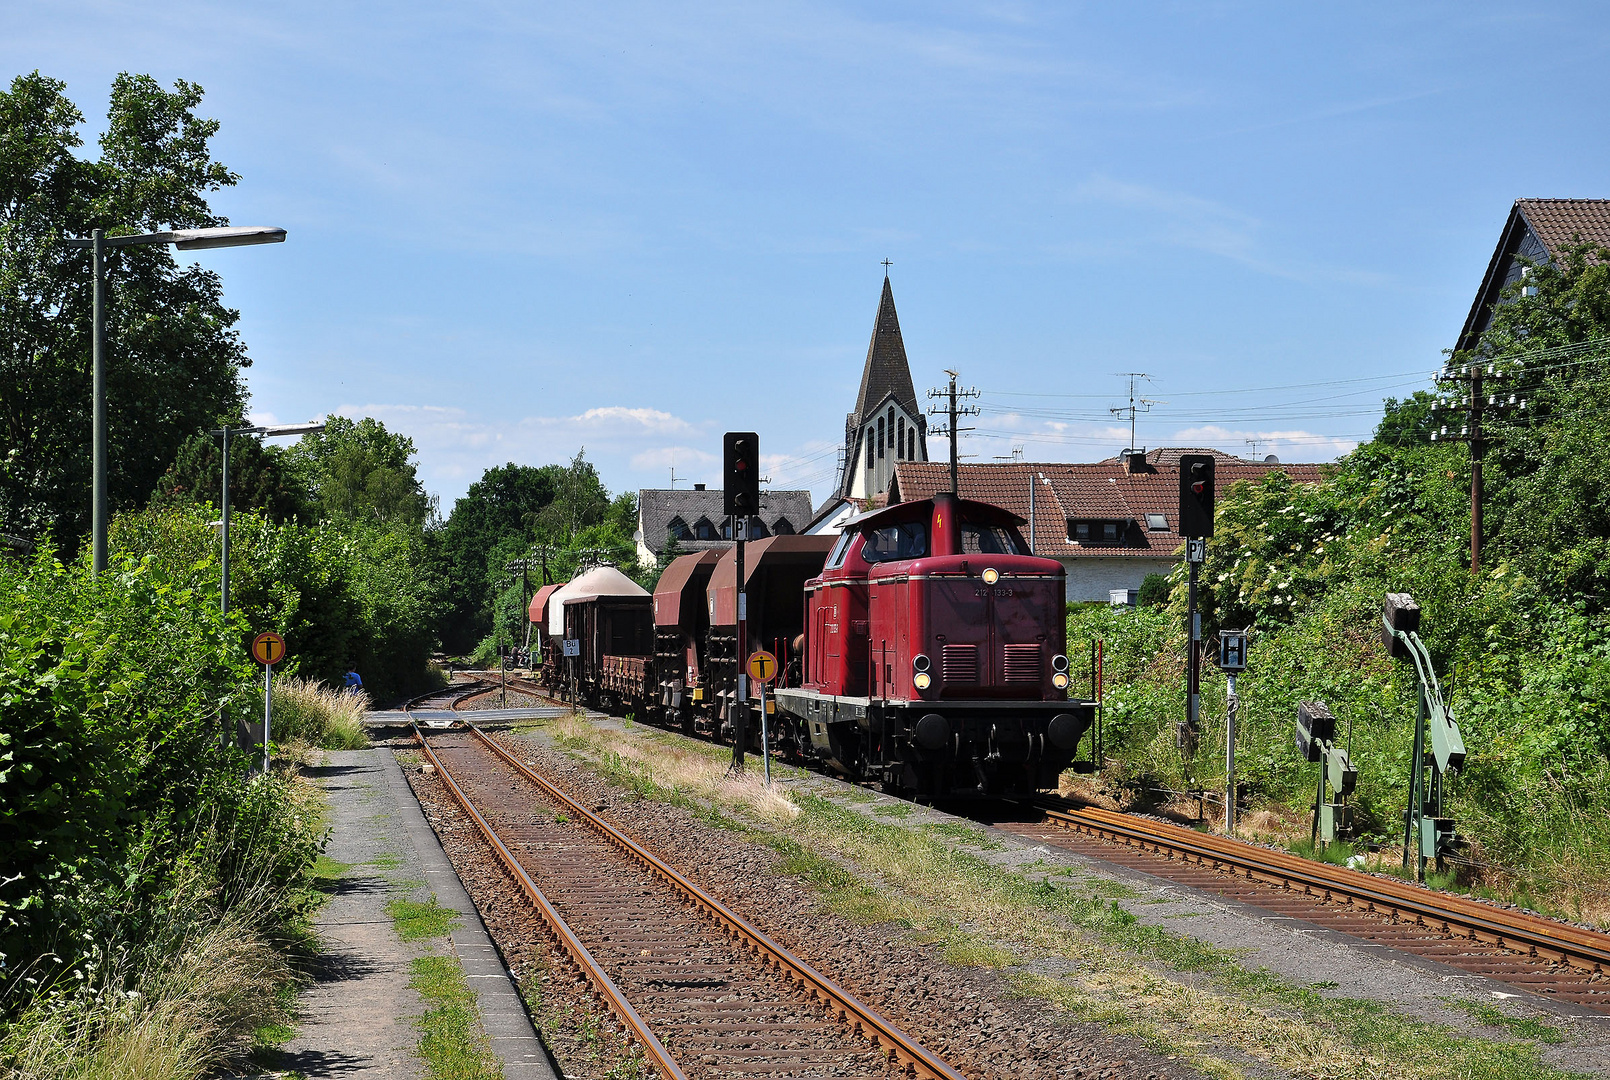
1094 578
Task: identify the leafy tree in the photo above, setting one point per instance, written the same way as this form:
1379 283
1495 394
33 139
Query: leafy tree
260 478
359 471
504 503
173 357
1547 483
1411 420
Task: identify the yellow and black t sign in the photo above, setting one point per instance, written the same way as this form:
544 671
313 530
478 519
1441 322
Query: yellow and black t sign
268 648
762 666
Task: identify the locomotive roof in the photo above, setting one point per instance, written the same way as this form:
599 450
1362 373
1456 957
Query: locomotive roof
970 510
599 583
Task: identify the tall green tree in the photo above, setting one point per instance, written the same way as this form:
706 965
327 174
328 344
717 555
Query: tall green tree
260 478
505 503
359 471
174 358
1548 477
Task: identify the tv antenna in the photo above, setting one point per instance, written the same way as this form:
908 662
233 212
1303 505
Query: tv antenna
1136 405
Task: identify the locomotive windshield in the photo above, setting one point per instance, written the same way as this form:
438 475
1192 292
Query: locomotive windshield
989 539
891 542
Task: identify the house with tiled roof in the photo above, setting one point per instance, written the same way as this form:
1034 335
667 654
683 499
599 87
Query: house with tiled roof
1110 523
886 428
694 517
1536 234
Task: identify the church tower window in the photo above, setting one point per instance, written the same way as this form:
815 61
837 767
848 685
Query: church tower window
900 438
880 436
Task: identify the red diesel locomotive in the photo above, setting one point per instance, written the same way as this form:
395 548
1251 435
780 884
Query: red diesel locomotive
935 655
925 652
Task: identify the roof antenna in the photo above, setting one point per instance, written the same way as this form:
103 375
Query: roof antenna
674 476
1254 444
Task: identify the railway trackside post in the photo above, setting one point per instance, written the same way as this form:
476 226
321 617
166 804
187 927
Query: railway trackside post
740 458
1232 661
1196 525
268 648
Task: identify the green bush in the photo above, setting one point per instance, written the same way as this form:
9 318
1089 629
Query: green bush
1154 591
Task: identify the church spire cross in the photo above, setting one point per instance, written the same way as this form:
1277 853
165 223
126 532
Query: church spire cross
886 264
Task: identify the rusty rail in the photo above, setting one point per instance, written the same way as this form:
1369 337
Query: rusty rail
906 1050
658 1055
1528 934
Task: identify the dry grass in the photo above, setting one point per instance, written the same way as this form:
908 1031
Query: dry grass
184 1016
312 713
678 768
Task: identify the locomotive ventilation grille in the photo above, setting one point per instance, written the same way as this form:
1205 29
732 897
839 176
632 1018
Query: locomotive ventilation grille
1022 664
959 664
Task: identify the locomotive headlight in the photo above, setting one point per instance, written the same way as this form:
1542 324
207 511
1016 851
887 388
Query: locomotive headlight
991 576
922 680
1059 663
1060 680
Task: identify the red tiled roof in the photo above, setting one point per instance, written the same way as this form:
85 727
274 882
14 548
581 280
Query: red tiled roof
1558 222
1096 491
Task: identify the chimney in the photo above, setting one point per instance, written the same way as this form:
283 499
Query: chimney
698 487
1135 460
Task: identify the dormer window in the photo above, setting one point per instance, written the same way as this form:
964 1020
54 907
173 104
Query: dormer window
1109 531
1079 530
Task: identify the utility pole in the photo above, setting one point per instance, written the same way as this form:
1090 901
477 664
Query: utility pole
952 412
1475 399
1136 405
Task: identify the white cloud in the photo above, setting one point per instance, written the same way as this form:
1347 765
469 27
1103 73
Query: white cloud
1289 446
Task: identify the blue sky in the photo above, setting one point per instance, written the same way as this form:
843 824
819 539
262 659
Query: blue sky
517 230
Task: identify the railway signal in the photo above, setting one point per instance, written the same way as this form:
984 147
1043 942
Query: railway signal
1196 525
1425 829
763 669
1232 661
740 483
1196 495
740 457
1316 741
268 649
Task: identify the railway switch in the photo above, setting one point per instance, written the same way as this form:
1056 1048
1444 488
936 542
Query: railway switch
1427 833
1316 742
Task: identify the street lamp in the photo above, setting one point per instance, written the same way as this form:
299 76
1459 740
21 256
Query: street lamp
97 242
268 431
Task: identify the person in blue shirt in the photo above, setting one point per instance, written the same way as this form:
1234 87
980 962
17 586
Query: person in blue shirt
353 680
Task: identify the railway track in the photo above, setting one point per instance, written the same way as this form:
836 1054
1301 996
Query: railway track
1543 956
700 989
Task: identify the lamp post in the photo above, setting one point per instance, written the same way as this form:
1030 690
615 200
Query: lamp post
268 431
97 243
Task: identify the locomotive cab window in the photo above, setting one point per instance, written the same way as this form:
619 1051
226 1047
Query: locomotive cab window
990 540
840 549
894 542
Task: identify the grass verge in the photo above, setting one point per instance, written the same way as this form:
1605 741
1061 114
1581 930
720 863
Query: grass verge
1184 997
312 713
452 1042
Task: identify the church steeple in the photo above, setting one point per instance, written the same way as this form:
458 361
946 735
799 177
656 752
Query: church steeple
886 426
886 371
